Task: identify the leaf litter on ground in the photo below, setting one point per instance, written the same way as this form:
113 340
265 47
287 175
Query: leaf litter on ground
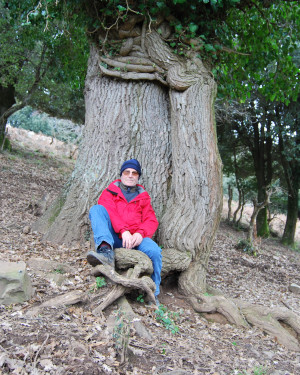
69 339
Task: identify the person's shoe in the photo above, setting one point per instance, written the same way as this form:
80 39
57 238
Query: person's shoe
157 301
152 304
104 255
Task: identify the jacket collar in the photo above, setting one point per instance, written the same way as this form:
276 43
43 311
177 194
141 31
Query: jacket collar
115 186
131 189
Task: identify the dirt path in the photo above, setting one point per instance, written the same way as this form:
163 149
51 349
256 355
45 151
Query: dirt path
70 340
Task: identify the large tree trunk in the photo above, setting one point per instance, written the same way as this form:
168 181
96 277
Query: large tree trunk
194 205
262 164
262 224
123 120
168 125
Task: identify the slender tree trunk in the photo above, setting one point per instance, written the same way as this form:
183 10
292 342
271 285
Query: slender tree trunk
288 237
259 164
262 224
7 100
229 202
291 168
238 185
3 122
234 220
257 207
242 208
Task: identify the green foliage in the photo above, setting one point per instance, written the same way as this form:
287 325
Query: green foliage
163 350
261 38
7 145
39 122
59 270
43 56
258 370
266 38
24 119
247 247
279 199
140 298
259 142
100 283
167 318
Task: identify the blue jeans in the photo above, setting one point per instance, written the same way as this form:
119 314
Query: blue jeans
103 231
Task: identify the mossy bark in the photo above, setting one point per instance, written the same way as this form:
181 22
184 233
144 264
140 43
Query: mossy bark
262 223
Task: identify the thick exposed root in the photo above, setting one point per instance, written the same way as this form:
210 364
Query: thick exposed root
132 280
270 320
137 264
221 305
141 330
267 319
174 260
126 258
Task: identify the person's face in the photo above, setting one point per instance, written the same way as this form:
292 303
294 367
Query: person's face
129 177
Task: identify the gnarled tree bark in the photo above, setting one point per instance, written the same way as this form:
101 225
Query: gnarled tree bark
166 121
150 104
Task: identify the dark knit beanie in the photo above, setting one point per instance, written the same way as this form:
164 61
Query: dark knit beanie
132 163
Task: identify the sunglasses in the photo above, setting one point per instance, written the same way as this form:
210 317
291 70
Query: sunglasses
127 173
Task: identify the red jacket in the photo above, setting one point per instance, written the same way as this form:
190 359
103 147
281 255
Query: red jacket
134 216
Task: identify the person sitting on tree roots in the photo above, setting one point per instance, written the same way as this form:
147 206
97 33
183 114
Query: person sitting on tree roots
125 218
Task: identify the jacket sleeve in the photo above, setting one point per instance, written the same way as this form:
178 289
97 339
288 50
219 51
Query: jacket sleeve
106 199
149 222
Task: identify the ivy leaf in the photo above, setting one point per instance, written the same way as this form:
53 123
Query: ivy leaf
121 8
178 27
160 4
193 28
209 47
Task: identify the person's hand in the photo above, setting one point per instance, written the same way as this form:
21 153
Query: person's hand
127 240
137 238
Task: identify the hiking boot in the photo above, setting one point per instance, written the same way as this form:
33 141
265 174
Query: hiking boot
104 255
